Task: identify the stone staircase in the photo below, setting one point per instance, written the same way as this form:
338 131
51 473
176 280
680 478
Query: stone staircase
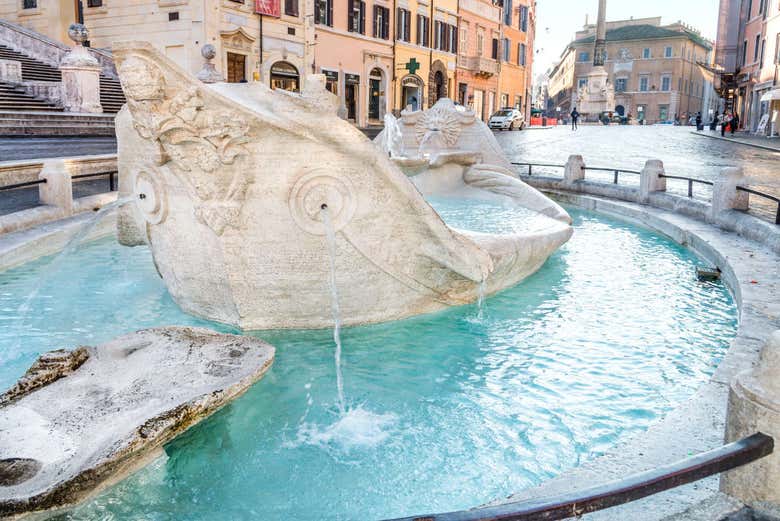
55 124
111 96
16 98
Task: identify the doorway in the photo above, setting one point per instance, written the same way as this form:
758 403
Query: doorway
284 76
374 96
350 100
463 90
411 97
236 68
439 90
479 101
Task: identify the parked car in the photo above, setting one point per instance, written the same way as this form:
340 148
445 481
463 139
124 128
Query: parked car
507 119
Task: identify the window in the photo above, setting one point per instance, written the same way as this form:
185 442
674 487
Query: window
494 50
521 52
323 12
96 3
403 24
464 39
777 48
646 53
423 31
381 22
356 16
507 12
663 112
644 83
750 9
668 52
173 16
453 34
582 82
666 83
524 18
480 43
621 84
584 57
29 4
757 48
291 7
761 58
744 52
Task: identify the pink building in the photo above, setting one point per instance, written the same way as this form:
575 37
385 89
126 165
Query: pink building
354 49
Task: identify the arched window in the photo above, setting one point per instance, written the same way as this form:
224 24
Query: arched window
284 76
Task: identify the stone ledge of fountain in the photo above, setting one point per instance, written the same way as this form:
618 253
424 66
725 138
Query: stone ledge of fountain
698 424
81 420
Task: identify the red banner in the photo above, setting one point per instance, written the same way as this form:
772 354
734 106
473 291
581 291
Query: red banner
268 8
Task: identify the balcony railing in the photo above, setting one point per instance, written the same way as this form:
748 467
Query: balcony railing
478 65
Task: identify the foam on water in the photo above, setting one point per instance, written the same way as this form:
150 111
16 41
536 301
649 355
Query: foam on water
357 427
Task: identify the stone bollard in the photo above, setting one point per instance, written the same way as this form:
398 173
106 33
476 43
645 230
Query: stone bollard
754 406
58 188
80 75
209 73
575 170
725 195
650 180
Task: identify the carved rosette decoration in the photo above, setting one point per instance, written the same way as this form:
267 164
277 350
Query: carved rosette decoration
319 187
204 148
442 120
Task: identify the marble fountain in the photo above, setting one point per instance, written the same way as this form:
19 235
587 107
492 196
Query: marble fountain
263 212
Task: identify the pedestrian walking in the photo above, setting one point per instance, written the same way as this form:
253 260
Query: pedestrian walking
714 122
724 123
699 125
575 116
734 123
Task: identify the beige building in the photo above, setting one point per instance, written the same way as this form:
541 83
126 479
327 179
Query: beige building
180 28
655 70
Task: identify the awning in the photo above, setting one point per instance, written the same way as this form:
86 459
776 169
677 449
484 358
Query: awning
772 95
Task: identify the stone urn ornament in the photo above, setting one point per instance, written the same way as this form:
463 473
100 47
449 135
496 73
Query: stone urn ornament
209 74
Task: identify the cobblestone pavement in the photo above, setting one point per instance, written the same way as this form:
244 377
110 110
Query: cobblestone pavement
19 148
747 139
683 154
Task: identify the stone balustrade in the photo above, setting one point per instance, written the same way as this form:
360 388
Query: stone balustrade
726 210
56 194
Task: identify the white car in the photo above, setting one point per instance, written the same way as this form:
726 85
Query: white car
507 119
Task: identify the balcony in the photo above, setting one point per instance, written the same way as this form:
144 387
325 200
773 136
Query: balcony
478 65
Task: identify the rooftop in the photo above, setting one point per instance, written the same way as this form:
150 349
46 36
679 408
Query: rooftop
646 32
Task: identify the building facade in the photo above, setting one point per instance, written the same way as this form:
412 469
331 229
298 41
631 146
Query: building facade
516 60
250 47
748 59
378 56
656 71
425 48
478 53
354 50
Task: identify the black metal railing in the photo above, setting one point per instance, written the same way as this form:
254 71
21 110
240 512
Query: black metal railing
690 180
765 196
617 172
626 490
531 165
23 185
111 178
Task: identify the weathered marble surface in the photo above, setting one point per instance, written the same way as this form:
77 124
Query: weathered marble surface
79 419
230 180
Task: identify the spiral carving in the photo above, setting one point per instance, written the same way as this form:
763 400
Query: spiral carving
151 198
317 189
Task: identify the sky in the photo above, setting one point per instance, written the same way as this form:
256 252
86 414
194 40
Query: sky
558 20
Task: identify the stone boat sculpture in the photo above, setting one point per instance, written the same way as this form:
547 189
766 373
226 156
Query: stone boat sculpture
233 184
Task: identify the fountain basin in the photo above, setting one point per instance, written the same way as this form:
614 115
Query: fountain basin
558 370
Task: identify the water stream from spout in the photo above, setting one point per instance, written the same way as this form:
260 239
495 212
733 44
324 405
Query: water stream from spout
480 299
330 234
52 267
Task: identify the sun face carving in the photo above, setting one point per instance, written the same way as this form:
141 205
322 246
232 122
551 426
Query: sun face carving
442 121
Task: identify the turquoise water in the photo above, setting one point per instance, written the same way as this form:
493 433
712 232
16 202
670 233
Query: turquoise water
447 411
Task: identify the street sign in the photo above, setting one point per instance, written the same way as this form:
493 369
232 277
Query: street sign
268 8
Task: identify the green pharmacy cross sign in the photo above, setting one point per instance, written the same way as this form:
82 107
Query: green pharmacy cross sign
412 66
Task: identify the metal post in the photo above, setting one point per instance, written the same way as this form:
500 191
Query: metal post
777 216
111 183
690 188
616 176
529 168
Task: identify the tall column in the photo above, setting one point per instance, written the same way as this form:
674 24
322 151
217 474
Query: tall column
601 35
